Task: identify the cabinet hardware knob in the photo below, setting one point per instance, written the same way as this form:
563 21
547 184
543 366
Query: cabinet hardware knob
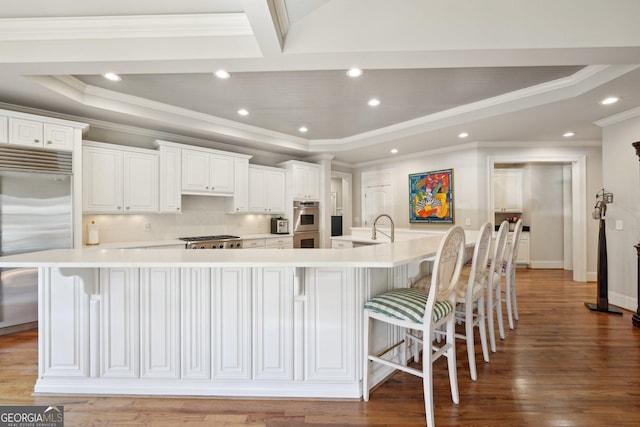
178 209
127 207
36 141
119 207
49 142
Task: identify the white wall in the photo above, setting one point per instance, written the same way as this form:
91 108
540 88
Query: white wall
621 177
201 215
471 182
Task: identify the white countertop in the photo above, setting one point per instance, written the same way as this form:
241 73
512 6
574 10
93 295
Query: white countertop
388 255
384 256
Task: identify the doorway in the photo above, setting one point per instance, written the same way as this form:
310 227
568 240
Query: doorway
576 165
341 205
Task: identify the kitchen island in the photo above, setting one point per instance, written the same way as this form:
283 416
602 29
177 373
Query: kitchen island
254 322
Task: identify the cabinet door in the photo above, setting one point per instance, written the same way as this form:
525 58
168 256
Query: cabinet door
523 249
273 324
120 312
231 323
258 186
299 181
241 186
140 182
195 171
63 316
58 137
170 179
195 299
507 190
222 177
25 132
313 183
275 192
330 325
160 351
102 180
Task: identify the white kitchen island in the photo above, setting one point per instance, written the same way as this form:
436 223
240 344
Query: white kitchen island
254 322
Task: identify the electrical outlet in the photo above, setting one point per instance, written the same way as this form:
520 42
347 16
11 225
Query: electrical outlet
467 221
619 224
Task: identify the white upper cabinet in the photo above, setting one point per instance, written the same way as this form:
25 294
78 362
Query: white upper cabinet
240 201
207 173
303 180
507 190
266 190
33 133
118 180
170 179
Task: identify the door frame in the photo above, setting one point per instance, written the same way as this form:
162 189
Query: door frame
578 200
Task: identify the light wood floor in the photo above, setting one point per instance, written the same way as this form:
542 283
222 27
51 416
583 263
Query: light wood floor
563 365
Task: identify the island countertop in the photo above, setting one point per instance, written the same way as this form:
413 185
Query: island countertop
384 256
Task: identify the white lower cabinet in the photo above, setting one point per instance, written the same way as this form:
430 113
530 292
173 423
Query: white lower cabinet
195 323
223 331
63 308
341 244
273 324
120 322
283 242
231 323
330 325
159 323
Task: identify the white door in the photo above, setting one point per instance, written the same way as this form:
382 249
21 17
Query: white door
377 200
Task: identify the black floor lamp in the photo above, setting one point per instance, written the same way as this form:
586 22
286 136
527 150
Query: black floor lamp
602 199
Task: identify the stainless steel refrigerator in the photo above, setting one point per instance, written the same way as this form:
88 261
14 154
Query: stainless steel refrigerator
35 215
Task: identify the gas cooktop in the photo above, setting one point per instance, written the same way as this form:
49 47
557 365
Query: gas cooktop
208 238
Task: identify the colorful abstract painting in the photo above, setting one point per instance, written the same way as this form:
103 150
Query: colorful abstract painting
431 196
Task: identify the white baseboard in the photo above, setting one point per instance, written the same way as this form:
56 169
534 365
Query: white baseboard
623 301
592 276
546 264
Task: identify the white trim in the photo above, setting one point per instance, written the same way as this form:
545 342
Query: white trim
559 265
623 301
617 118
579 200
122 27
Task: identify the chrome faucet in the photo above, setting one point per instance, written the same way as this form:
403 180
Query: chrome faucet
373 228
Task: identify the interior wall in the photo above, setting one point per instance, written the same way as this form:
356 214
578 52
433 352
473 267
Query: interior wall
546 211
471 181
201 215
465 186
621 177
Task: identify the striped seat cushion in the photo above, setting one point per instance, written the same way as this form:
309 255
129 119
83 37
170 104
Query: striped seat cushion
407 304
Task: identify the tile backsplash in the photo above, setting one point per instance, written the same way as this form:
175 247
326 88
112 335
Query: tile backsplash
201 215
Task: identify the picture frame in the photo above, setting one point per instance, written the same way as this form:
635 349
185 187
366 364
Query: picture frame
431 198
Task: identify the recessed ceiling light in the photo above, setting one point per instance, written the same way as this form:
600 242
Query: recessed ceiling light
374 102
394 150
222 74
112 76
610 100
303 129
463 135
354 72
243 112
568 134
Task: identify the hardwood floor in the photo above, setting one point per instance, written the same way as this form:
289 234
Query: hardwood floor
563 365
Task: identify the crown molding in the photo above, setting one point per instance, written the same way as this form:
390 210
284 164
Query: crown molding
617 118
123 27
